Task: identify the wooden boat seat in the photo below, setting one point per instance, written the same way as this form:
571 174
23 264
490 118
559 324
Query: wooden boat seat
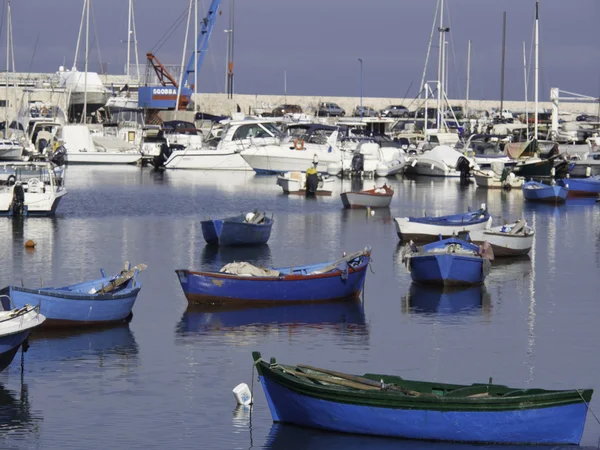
517 228
469 391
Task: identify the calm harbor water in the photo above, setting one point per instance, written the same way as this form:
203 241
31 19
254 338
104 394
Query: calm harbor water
165 380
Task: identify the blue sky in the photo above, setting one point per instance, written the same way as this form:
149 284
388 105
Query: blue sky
318 43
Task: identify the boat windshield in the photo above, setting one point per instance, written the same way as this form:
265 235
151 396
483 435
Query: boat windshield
25 174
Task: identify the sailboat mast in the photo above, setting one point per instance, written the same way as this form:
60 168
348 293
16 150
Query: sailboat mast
129 39
502 72
468 78
536 70
440 67
87 50
196 55
7 68
525 83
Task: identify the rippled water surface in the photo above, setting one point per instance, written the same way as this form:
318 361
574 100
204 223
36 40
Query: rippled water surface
165 380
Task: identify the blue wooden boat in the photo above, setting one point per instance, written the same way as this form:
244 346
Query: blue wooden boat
106 300
244 229
15 326
430 228
535 191
448 262
243 282
385 405
581 187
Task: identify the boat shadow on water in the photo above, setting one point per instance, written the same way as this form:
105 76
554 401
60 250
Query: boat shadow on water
56 345
290 437
440 300
341 317
213 257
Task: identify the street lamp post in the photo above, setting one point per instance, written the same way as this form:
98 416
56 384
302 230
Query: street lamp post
361 86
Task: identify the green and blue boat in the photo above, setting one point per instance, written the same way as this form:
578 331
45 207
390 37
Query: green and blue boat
384 405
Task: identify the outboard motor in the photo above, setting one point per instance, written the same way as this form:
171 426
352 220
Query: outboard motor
41 145
358 162
165 152
464 167
18 202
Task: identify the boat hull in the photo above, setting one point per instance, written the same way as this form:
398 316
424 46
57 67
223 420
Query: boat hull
76 310
359 200
37 205
547 194
581 187
223 288
295 186
222 232
504 244
9 346
419 231
447 269
201 159
266 160
551 425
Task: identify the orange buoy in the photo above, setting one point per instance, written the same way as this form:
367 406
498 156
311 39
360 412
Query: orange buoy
30 243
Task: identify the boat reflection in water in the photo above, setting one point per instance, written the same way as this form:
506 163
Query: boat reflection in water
16 416
442 300
285 437
339 316
114 345
214 257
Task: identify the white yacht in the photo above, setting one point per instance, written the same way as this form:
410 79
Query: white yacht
218 153
85 148
30 188
11 150
273 153
440 161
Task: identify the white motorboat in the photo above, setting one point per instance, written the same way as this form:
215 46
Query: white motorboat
11 150
31 188
85 148
493 178
375 160
292 154
440 161
430 228
489 179
507 240
15 327
295 183
222 153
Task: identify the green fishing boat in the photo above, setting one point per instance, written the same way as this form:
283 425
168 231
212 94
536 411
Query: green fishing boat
385 405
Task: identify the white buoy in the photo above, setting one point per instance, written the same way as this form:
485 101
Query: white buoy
372 212
242 394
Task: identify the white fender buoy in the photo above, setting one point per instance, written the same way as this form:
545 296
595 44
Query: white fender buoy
242 394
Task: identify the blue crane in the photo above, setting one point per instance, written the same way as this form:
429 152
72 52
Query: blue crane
165 95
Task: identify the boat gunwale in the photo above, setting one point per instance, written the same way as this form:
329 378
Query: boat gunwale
60 293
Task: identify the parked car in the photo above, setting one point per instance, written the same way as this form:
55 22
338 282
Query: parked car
286 109
395 111
431 113
367 111
455 111
330 109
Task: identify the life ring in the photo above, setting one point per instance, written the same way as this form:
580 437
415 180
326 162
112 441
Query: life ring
298 144
44 111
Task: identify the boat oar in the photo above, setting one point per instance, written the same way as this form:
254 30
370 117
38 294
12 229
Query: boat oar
362 380
331 380
122 278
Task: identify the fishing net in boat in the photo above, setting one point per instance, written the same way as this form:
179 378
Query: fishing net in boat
246 269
